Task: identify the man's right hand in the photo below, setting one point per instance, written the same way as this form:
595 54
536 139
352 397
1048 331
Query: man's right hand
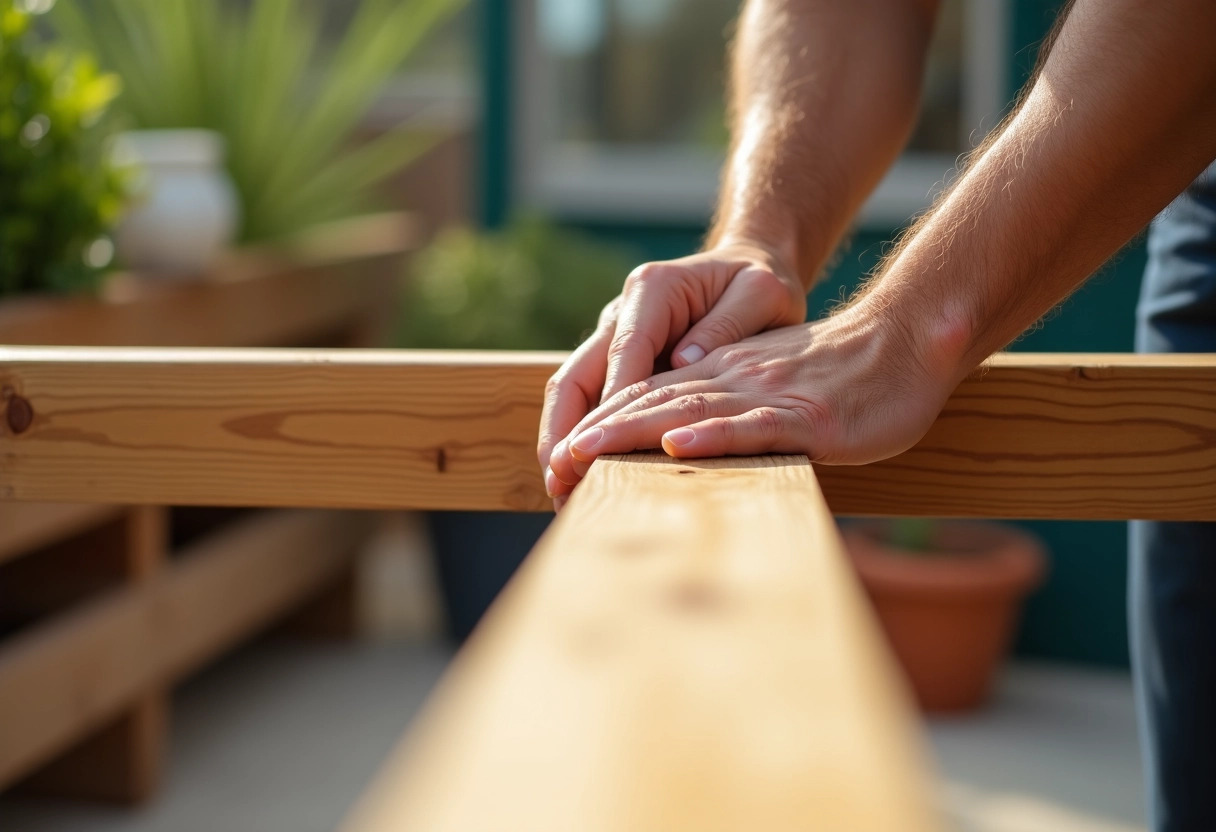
684 308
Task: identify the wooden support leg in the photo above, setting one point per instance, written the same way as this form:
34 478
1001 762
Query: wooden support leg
122 761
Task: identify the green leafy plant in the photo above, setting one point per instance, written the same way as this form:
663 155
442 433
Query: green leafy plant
258 74
914 535
529 286
58 195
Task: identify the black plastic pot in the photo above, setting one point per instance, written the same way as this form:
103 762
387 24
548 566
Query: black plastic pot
476 553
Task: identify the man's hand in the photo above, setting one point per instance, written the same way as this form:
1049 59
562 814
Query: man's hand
682 309
846 390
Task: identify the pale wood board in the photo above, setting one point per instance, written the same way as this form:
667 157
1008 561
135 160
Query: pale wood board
687 649
75 672
1035 436
365 429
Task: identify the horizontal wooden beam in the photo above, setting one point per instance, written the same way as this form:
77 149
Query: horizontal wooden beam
61 679
1036 436
25 527
686 649
268 297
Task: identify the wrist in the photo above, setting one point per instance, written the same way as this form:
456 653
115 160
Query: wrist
777 252
930 341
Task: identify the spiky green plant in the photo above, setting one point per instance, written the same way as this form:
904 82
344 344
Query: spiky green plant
257 74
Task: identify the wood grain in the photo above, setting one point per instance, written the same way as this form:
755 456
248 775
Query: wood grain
685 650
79 670
1035 436
341 429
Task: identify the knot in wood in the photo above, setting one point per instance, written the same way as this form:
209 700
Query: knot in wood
696 597
19 414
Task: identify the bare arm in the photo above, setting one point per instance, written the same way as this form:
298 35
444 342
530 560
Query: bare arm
823 98
824 95
1120 120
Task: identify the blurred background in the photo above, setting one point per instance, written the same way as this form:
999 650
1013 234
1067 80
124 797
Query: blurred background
467 174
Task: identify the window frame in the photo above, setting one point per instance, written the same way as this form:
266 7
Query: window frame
678 185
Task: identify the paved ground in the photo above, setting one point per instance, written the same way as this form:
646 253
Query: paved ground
281 737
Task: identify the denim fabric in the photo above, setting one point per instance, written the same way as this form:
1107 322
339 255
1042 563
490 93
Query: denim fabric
1172 571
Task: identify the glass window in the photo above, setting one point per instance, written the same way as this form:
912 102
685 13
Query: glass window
631 91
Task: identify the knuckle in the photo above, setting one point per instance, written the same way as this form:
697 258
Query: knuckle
724 358
768 423
751 371
656 397
694 407
647 274
817 417
726 427
724 328
631 338
639 389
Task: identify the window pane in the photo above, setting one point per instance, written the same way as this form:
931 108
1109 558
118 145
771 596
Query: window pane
646 72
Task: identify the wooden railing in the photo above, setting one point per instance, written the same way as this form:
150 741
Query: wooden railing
687 648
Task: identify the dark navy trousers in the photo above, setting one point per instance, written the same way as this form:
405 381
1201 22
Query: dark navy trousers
1172 571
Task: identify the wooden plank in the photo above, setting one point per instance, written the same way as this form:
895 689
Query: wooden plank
686 649
27 526
1036 436
254 297
339 429
1056 436
122 762
81 669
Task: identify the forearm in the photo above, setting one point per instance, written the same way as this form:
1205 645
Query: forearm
1121 118
823 97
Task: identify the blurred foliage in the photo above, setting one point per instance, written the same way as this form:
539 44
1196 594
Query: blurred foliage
913 535
529 286
58 194
256 72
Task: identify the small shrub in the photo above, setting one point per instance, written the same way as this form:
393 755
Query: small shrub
58 194
529 286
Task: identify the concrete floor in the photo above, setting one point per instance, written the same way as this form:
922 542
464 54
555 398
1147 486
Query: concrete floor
282 737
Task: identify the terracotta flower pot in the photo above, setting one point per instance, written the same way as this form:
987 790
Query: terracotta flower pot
949 613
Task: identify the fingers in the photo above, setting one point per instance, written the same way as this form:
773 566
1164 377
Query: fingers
759 431
753 301
642 330
645 428
570 394
568 470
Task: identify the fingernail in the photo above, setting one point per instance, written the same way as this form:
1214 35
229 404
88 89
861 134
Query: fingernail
559 503
558 450
692 353
586 443
551 483
681 437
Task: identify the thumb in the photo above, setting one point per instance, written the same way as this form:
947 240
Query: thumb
752 302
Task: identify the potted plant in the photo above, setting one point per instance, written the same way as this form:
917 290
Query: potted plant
283 102
947 594
58 194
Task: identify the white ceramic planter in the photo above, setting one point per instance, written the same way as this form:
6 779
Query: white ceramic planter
186 210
